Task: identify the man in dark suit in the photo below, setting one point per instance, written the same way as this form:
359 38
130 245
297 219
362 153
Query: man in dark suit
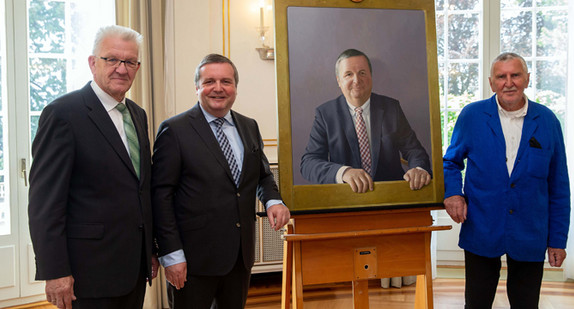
208 167
90 203
360 137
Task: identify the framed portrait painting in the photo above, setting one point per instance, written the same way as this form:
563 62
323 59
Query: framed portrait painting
399 39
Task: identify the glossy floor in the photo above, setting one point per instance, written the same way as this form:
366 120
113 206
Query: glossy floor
265 293
448 293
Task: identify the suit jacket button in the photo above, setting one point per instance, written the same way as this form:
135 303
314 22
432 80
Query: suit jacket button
238 194
238 224
512 185
511 211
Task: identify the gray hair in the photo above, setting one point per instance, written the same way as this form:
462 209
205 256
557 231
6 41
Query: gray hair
124 33
505 57
216 58
348 54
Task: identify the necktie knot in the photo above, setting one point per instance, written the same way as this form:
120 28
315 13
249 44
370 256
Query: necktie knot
219 122
359 110
121 107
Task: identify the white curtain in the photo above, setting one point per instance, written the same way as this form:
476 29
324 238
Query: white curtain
148 17
569 136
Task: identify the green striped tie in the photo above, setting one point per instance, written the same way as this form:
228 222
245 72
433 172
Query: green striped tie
131 135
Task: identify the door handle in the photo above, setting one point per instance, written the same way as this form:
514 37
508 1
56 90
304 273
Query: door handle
23 171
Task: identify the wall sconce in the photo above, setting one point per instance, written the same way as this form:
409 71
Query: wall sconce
265 52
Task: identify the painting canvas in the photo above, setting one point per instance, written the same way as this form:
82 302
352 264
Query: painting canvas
400 41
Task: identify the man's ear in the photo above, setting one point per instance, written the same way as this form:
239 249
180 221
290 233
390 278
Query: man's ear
490 82
92 63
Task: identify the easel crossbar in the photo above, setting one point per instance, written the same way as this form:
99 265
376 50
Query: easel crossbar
352 234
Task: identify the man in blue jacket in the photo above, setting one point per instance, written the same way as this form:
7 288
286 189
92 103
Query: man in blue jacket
516 197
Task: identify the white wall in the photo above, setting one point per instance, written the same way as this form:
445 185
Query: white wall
198 31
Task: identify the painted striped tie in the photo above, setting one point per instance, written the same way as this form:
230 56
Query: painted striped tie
132 137
364 148
227 151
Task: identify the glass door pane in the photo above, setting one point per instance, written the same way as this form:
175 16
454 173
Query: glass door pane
61 35
5 224
538 30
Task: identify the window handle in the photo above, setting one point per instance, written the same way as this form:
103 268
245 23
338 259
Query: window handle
23 171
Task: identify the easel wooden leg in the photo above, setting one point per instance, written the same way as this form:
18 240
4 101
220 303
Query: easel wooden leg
423 296
361 294
287 271
297 277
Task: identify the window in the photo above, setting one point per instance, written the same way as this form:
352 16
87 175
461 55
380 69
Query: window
535 29
44 49
61 37
57 63
538 30
460 44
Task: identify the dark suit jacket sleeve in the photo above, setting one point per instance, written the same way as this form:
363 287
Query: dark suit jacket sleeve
315 164
53 153
166 171
408 144
267 187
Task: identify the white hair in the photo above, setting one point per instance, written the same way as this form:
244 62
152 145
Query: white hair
505 57
124 33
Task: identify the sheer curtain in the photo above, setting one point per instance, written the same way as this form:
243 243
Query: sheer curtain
149 88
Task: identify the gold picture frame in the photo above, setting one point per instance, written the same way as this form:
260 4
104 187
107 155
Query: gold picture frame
318 32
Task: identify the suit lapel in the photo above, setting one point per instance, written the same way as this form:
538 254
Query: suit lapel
493 122
243 131
377 113
203 129
350 133
528 128
103 122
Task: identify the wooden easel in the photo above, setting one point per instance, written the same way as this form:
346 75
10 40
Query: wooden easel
358 246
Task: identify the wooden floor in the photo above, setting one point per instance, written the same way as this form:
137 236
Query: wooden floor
448 294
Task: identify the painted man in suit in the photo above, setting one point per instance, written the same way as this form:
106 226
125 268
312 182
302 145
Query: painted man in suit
208 167
360 137
516 194
90 202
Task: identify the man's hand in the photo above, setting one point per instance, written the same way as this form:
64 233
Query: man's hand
60 292
358 179
278 216
154 266
417 178
456 208
176 275
556 256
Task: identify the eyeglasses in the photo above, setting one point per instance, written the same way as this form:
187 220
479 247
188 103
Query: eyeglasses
113 62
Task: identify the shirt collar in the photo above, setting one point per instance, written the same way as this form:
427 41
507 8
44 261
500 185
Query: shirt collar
365 107
106 99
209 117
513 114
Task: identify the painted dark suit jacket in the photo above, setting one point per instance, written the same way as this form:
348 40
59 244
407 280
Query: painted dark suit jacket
197 206
333 142
89 213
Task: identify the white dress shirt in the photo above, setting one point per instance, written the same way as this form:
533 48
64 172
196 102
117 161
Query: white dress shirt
512 122
109 104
